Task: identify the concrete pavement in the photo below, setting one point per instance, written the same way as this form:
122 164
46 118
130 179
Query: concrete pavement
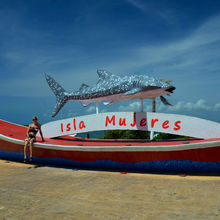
41 192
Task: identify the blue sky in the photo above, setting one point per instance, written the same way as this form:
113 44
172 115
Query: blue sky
70 40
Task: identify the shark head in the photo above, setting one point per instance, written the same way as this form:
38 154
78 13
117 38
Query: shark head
150 83
167 86
157 87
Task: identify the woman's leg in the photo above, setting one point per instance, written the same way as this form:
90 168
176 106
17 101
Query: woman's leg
25 150
31 147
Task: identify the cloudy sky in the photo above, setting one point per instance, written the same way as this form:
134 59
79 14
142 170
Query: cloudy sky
70 40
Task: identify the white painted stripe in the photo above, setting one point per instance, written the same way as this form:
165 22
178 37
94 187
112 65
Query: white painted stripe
201 145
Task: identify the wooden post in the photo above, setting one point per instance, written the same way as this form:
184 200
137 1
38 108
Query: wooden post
153 110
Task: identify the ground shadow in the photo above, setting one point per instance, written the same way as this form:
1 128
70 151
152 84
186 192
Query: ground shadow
124 171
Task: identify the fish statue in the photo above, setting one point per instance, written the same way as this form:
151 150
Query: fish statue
110 89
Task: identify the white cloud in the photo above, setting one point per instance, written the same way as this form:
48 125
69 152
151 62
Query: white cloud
217 107
196 54
104 110
71 114
91 109
155 10
138 5
182 53
134 106
201 104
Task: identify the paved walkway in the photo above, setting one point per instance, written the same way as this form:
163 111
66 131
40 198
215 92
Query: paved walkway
33 192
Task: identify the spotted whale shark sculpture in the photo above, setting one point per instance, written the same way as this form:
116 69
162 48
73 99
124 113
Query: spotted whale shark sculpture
111 88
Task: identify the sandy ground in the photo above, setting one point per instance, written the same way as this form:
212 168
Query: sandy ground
40 192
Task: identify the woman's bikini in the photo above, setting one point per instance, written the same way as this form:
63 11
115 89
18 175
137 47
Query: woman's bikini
32 133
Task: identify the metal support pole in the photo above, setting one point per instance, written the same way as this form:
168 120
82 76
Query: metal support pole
142 105
97 108
154 105
153 110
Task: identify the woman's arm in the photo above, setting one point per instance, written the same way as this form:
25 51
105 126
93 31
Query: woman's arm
41 133
27 133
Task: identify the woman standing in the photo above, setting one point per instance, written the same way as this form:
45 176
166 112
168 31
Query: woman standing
31 137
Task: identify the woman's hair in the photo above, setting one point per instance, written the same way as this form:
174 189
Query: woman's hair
34 118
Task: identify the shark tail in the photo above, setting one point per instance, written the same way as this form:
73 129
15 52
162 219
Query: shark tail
60 93
164 100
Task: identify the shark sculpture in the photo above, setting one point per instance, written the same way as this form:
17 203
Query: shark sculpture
111 88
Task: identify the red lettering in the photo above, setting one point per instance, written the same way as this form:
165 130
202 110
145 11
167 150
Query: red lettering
61 127
74 124
110 121
165 124
82 125
153 121
122 122
143 122
68 127
177 127
134 120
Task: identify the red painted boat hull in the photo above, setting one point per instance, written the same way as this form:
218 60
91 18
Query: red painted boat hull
179 155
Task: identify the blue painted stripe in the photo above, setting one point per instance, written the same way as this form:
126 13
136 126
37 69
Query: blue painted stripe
166 165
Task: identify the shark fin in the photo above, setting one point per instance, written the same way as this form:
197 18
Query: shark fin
113 102
59 104
83 86
60 93
85 103
164 100
108 102
55 87
133 91
104 74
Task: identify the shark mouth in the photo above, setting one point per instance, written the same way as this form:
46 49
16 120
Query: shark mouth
170 89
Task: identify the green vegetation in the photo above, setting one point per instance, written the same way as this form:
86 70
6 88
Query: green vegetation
126 134
130 134
164 136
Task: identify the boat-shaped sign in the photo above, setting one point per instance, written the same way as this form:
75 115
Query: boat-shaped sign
145 121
